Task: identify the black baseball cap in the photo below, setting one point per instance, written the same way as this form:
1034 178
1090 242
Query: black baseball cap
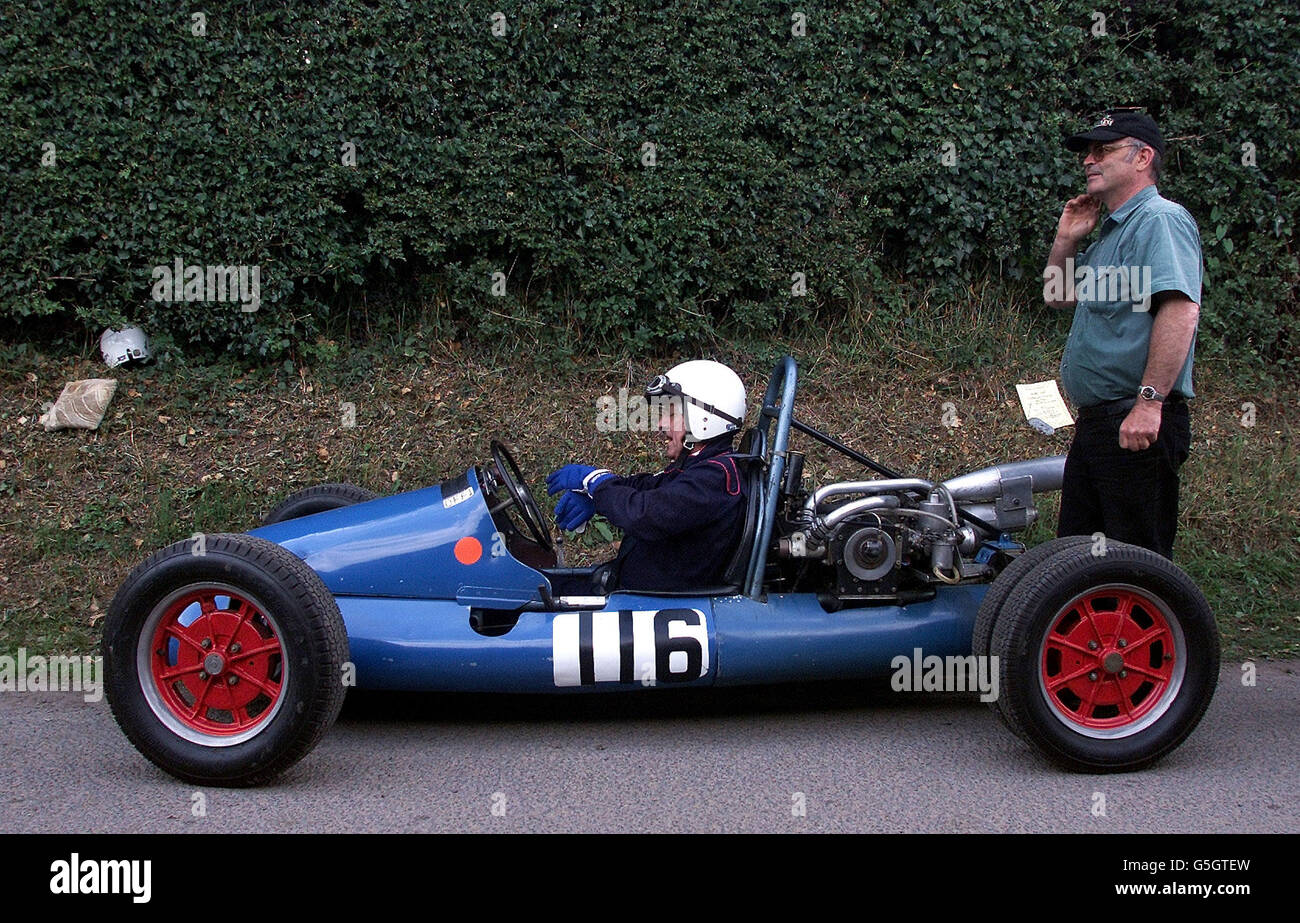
1116 124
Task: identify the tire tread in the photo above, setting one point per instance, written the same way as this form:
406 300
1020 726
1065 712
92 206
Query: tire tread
326 635
1015 634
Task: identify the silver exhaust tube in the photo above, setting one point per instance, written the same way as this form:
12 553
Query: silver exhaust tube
987 484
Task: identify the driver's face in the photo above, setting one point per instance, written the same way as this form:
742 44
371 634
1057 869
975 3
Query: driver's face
672 426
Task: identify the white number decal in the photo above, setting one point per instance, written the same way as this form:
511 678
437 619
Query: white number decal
630 646
459 496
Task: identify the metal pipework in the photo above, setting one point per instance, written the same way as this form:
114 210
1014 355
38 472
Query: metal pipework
864 487
824 526
985 485
925 514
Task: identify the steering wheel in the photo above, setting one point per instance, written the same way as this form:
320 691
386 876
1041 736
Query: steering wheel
520 496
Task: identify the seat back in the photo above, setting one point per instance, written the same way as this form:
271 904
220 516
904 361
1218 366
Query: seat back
751 462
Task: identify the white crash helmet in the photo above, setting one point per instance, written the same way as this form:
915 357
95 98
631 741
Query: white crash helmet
713 394
118 346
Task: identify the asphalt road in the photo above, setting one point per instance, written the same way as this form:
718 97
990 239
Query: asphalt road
832 758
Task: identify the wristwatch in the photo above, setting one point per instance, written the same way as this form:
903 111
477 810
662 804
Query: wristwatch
1148 393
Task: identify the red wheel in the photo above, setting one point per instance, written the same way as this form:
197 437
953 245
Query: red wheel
223 660
1106 661
212 665
1113 661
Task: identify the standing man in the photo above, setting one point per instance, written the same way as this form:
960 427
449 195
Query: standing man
1127 366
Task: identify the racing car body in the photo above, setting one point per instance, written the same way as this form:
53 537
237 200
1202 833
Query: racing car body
433 599
227 666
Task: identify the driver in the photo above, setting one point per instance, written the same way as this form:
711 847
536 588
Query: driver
681 525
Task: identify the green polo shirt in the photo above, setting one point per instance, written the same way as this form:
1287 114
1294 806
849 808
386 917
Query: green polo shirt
1148 245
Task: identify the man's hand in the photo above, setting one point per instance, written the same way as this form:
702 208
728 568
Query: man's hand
1141 427
1078 218
573 510
582 478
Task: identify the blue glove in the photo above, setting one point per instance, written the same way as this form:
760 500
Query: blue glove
580 478
573 510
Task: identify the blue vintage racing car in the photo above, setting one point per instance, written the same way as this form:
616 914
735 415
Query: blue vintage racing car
227 657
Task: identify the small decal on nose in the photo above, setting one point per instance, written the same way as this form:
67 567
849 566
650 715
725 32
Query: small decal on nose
468 550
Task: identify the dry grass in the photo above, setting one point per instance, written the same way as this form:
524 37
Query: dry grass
210 449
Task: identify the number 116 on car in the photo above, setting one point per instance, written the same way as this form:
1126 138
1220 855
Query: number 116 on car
630 646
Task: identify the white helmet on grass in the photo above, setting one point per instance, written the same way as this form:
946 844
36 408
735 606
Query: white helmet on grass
118 346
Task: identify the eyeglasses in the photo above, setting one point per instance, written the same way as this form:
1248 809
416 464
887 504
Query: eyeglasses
1098 151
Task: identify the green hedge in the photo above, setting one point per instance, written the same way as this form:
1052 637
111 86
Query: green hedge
827 153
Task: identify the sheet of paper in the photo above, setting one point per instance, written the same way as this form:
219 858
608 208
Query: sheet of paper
1043 399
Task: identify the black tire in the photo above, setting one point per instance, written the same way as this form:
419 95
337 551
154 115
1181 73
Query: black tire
318 499
1144 629
996 597
1006 581
261 620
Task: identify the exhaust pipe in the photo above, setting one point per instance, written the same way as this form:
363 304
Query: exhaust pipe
989 484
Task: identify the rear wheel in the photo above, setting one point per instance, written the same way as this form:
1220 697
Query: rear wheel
1106 662
1006 581
224 659
318 499
1001 588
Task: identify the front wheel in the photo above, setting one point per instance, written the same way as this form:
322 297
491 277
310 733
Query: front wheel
1106 662
224 659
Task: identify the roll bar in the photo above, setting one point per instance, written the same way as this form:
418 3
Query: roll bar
780 387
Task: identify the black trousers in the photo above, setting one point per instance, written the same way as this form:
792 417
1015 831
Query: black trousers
1127 496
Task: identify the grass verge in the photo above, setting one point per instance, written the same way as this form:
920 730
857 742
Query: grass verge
205 449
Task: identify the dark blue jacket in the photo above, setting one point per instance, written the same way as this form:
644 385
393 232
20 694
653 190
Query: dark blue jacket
680 526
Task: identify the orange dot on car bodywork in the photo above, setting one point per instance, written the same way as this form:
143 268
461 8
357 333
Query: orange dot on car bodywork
468 550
